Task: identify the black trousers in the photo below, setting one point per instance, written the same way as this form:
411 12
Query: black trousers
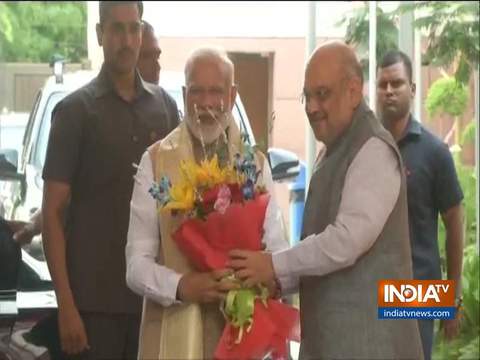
426 333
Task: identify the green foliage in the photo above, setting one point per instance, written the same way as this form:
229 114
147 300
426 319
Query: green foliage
466 346
34 31
468 182
5 24
468 134
470 351
453 34
462 348
452 28
470 284
448 96
358 30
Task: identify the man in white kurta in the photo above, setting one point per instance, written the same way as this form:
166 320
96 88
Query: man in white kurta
181 318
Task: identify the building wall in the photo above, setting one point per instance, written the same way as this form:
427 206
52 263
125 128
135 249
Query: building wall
20 82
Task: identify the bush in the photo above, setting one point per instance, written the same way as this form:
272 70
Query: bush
447 96
466 346
468 134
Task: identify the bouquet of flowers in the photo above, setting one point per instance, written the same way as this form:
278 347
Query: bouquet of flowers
225 208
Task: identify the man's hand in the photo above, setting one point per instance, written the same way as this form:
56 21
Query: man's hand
450 328
23 232
253 267
205 287
73 336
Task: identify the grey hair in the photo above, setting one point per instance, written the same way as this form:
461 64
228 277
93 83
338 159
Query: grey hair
212 54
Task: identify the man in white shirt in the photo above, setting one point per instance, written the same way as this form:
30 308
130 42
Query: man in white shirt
181 318
355 229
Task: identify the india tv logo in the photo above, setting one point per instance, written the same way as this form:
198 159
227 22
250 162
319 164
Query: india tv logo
416 299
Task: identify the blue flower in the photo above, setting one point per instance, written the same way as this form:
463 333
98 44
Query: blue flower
161 191
248 190
249 168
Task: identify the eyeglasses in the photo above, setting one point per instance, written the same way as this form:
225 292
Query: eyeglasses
322 93
319 95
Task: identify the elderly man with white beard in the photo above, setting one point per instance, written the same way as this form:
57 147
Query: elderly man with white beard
181 317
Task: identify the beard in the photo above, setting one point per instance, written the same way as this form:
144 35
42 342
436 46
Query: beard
206 128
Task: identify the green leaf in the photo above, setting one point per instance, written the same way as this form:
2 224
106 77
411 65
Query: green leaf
468 134
448 96
34 31
453 33
245 301
471 350
357 33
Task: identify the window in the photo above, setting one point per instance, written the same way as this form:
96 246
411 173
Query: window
40 148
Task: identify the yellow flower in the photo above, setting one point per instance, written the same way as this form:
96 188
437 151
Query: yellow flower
189 171
203 177
210 174
207 174
182 197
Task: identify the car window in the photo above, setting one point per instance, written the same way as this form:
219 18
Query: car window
40 149
31 118
30 125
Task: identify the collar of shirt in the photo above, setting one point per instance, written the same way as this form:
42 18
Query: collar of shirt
104 84
413 130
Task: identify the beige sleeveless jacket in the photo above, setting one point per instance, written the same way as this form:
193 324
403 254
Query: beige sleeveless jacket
188 330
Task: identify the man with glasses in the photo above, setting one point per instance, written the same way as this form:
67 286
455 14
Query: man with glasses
355 226
97 133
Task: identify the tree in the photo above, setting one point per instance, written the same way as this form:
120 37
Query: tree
448 96
358 32
35 31
453 34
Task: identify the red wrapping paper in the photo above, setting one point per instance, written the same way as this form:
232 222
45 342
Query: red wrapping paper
272 326
206 244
